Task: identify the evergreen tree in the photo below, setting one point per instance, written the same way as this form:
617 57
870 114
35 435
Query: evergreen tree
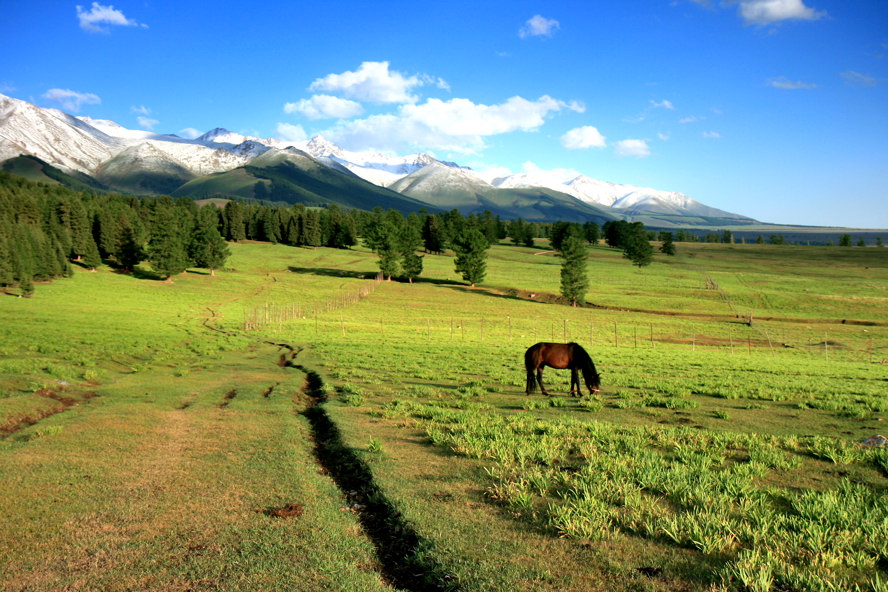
471 255
592 231
615 233
342 229
381 235
91 258
521 232
311 229
234 222
433 234
207 247
562 230
574 282
636 246
667 247
165 248
411 266
129 250
410 241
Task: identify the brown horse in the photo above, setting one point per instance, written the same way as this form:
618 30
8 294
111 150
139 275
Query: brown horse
560 355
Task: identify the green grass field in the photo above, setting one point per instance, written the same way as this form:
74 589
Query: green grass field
165 437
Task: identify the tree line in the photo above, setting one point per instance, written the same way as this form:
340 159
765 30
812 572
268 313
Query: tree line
45 229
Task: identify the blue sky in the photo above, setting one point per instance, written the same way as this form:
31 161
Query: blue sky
775 109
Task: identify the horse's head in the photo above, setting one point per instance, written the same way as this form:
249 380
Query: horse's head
593 382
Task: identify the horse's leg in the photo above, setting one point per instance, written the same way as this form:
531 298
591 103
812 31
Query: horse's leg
531 384
575 383
540 381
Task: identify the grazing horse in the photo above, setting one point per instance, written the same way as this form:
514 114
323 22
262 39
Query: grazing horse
560 355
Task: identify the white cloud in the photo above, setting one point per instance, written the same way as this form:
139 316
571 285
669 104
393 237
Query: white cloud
557 175
373 82
784 83
712 135
325 107
147 122
140 110
858 79
538 26
690 119
765 12
457 125
652 105
98 15
291 133
190 133
71 100
583 137
635 148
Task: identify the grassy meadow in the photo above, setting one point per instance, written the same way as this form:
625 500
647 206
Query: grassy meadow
160 436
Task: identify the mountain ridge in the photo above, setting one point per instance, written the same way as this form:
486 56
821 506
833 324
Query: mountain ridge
137 161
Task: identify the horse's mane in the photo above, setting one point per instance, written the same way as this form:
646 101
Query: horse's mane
583 358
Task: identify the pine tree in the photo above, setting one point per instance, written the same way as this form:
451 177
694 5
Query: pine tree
410 241
381 236
311 230
129 251
574 282
636 246
471 255
433 234
165 249
207 248
592 232
667 247
234 222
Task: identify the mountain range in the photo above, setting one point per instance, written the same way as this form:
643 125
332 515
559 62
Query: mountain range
104 155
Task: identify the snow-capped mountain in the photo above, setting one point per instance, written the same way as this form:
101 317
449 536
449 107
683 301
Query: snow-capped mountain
143 161
629 200
377 168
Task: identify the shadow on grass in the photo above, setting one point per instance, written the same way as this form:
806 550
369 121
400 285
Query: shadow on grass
407 561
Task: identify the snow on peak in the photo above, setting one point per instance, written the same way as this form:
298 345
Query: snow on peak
220 135
320 147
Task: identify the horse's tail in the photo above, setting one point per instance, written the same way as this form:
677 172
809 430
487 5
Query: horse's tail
530 366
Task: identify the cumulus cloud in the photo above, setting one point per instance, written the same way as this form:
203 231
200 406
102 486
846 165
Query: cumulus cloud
538 26
98 18
664 104
71 100
634 148
583 137
458 125
291 133
373 82
765 12
784 83
325 107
